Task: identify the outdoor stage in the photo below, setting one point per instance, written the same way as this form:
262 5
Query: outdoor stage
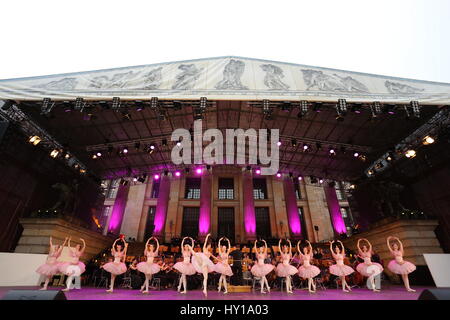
89 293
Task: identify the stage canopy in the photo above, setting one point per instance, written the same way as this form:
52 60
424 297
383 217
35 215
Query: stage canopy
226 78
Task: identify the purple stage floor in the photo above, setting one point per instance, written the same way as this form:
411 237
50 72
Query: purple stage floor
89 293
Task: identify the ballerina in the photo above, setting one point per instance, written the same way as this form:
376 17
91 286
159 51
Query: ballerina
75 267
368 268
340 269
149 268
307 270
284 269
398 265
51 266
261 269
202 263
117 267
222 266
185 267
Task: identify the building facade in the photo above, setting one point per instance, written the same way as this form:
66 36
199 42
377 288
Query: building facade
225 201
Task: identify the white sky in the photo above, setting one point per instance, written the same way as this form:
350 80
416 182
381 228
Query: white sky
409 38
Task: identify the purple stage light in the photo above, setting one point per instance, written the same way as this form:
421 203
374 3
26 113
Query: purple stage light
258 171
279 143
199 170
156 176
278 175
177 173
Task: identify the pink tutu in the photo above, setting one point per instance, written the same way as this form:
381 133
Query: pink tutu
259 270
148 268
308 272
223 268
185 268
115 268
72 269
285 270
199 259
49 269
362 268
405 268
341 271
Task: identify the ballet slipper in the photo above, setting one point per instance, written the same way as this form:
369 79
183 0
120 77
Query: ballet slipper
109 291
183 292
225 292
65 290
43 289
145 291
411 290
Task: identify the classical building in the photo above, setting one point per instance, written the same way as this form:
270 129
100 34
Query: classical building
216 201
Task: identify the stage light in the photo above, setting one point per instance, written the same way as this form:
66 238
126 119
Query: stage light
67 156
279 143
427 140
54 153
135 179
415 108
198 170
258 171
35 140
267 111
156 177
177 173
410 153
300 178
178 143
82 171
115 103
152 146
293 142
306 147
362 157
375 109
356 154
356 108
332 152
370 172
390 109
140 105
303 109
389 157
47 106
352 186
379 165
317 106
94 156
341 108
320 180
125 150
278 175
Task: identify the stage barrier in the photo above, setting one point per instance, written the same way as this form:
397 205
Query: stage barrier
439 265
19 269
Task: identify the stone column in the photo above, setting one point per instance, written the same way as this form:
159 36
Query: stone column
204 221
118 210
249 206
133 210
290 198
335 210
161 206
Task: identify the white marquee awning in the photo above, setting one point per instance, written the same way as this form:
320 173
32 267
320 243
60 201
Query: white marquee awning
226 78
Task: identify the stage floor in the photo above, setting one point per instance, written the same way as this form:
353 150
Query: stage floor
90 293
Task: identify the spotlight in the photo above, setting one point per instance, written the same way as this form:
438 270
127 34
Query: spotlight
54 153
300 178
389 157
410 153
156 177
124 150
362 157
152 146
356 108
258 171
67 156
178 143
370 172
140 105
47 106
35 140
94 156
198 170
278 175
306 147
321 180
332 152
279 143
427 140
356 154
99 154
341 107
135 179
379 165
177 173
317 106
293 142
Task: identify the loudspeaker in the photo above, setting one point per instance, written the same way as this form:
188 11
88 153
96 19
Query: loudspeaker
34 295
435 294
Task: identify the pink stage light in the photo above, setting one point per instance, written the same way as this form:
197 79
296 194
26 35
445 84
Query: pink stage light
278 175
279 143
199 170
258 171
156 176
177 173
300 178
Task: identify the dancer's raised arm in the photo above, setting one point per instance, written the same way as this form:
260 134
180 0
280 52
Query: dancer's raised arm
146 245
298 248
290 247
206 242
229 246
279 246
84 246
157 245
265 246
62 246
331 248
113 247
388 239
219 246
342 247
358 246
310 248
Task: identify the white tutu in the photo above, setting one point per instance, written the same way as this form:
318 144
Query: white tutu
200 260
